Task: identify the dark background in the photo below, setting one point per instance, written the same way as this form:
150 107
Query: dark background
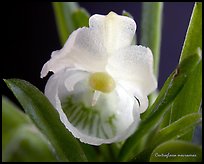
30 35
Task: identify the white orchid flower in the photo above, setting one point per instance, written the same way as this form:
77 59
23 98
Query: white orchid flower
101 82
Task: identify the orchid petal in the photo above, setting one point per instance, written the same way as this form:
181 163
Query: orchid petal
59 58
116 31
82 50
135 65
89 48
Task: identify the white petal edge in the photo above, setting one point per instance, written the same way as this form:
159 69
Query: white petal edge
51 91
135 65
82 50
59 59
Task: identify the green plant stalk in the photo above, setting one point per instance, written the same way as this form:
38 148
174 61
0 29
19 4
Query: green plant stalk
151 29
62 12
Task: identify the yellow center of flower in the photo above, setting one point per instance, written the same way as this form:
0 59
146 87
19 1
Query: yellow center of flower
102 81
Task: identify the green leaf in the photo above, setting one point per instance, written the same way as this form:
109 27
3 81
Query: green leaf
80 18
177 151
21 140
192 90
173 131
151 28
166 119
193 38
91 152
69 17
12 116
153 116
28 145
178 128
63 11
190 98
109 152
173 84
46 118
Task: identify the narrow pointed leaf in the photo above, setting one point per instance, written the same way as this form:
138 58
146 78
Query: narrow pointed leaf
46 118
178 128
177 151
193 39
189 99
192 44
